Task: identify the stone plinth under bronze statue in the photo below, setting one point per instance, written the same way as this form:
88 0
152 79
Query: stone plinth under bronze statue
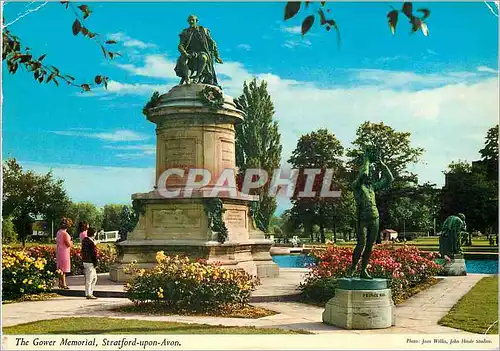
364 303
191 133
361 304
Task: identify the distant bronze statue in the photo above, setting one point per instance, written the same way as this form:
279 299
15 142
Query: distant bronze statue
198 52
450 238
367 213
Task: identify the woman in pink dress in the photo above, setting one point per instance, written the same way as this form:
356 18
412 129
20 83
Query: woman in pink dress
63 251
82 229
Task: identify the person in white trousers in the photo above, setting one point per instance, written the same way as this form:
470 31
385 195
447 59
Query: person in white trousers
89 258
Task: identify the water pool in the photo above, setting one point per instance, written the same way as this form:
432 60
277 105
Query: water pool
301 261
482 266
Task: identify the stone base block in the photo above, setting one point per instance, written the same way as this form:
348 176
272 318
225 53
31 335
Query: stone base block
267 269
360 309
247 256
455 267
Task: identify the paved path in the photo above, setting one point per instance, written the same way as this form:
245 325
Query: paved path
418 314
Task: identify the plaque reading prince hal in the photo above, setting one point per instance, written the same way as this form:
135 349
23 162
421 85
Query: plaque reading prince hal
198 52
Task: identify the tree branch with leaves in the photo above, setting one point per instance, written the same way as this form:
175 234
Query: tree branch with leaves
321 10
16 55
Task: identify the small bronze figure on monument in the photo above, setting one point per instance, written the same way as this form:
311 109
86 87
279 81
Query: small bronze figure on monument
367 213
198 53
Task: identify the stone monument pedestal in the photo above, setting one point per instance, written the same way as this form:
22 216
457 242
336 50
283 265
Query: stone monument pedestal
456 266
361 304
194 135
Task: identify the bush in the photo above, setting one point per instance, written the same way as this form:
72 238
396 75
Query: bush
183 285
23 274
319 290
404 267
9 234
106 256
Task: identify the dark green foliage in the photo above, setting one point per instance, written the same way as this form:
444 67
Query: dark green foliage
27 195
111 217
470 191
85 211
9 234
215 210
258 141
16 56
126 222
257 216
153 102
319 291
317 150
138 209
397 153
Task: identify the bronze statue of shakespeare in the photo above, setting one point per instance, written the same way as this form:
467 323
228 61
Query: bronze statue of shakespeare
198 53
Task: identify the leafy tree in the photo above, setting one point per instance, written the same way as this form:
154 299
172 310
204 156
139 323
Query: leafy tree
258 141
460 166
276 230
112 217
490 150
472 188
85 211
9 234
397 153
318 150
16 54
27 195
469 191
292 8
275 221
401 212
344 214
395 149
126 222
55 203
489 155
489 162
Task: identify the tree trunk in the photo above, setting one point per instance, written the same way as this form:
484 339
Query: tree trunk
334 232
322 232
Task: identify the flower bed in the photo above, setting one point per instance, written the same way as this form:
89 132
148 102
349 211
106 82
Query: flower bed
106 256
184 285
32 270
23 274
405 267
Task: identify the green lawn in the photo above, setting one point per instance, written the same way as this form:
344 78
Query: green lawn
432 244
477 310
88 325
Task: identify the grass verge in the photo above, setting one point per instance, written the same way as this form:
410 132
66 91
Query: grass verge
101 325
477 310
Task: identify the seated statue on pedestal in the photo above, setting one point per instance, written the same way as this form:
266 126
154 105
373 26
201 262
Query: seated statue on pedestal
198 52
450 238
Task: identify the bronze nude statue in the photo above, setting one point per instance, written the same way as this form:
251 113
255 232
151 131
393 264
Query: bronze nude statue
367 213
198 51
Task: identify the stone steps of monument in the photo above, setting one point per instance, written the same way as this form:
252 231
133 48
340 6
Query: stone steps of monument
281 289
